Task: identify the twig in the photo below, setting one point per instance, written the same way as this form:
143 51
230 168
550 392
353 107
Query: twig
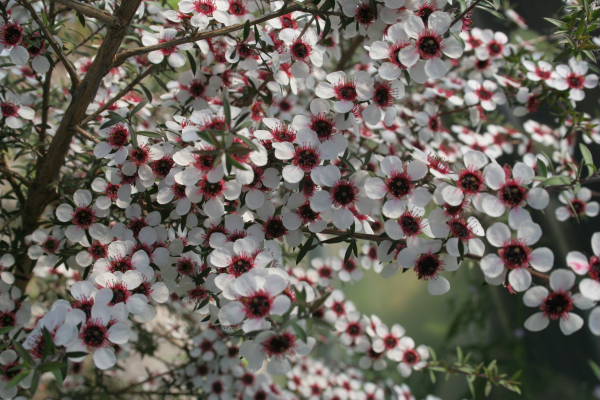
8 175
86 134
119 95
90 11
84 41
68 66
346 56
124 55
382 237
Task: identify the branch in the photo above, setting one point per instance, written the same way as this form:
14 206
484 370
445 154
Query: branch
119 95
382 237
41 191
8 175
346 56
86 134
90 11
68 66
124 55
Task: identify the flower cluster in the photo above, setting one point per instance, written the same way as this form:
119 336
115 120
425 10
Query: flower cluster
220 183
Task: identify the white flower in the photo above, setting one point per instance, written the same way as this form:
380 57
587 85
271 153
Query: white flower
576 205
515 255
11 38
98 335
485 93
589 286
428 46
255 296
573 77
277 348
398 186
413 358
554 305
83 218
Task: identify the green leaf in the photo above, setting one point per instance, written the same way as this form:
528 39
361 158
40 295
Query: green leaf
557 180
23 353
556 22
76 354
226 108
147 93
595 369
150 134
57 368
299 331
246 32
18 378
137 108
192 61
306 247
588 159
488 388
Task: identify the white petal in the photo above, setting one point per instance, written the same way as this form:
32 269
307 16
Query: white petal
438 286
572 323
105 358
542 259
535 296
519 279
536 322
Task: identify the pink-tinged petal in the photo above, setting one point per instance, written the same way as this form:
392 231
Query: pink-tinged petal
578 262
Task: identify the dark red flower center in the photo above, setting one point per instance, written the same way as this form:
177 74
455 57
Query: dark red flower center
557 304
344 193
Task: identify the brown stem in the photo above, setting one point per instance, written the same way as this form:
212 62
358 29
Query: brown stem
346 56
119 95
89 11
41 190
124 55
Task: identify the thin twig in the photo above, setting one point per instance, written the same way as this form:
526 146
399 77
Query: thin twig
84 41
68 66
347 54
89 11
86 134
124 55
119 95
